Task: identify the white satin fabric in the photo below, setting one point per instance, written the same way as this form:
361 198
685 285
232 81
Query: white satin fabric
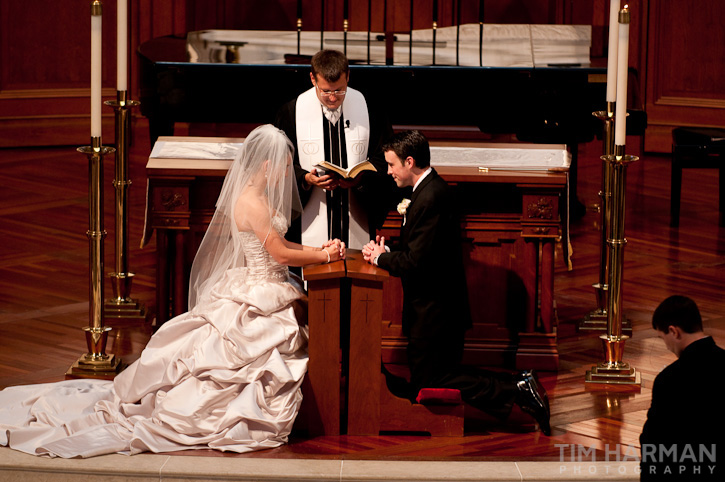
225 376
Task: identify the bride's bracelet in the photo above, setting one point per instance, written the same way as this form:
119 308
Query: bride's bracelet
327 253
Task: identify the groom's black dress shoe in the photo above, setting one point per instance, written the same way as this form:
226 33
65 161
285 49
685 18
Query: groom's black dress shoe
533 400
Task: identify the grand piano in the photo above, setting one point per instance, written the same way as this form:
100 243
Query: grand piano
245 76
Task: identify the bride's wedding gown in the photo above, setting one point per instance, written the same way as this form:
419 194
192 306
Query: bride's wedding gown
226 377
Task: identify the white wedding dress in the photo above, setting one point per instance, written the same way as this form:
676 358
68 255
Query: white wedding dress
226 376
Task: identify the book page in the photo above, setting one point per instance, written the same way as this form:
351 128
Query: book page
363 166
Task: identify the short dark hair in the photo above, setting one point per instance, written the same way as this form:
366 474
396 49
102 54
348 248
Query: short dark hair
329 64
679 311
410 143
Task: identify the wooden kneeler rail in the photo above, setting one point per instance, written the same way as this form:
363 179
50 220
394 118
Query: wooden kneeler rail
371 407
401 415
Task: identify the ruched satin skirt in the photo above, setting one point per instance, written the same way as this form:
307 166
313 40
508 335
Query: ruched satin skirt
225 376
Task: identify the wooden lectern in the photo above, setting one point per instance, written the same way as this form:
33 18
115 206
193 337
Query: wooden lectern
368 408
323 384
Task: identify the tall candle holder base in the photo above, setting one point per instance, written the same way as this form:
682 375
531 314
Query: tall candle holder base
613 370
121 306
596 320
96 363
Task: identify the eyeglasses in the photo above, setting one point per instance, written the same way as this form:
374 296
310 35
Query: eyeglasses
328 93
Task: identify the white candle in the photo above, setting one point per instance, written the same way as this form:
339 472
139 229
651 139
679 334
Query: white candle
620 115
96 75
612 52
122 45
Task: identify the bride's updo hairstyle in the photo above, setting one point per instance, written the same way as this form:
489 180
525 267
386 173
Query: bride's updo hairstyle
266 148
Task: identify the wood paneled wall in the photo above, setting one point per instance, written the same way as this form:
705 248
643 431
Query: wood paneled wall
45 65
685 67
677 48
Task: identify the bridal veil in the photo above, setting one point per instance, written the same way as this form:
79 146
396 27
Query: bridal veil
266 157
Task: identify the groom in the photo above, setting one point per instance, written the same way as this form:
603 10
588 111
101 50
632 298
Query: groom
435 303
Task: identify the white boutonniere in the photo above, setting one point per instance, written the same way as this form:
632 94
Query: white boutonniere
403 208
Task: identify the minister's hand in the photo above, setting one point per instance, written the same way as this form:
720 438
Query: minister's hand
325 181
348 183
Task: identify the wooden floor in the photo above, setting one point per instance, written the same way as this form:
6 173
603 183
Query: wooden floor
44 293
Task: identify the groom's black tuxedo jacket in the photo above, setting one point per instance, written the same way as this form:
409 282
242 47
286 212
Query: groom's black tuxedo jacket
428 260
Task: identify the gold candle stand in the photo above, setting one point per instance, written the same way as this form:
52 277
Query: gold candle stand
96 363
345 26
299 33
435 29
596 320
121 306
613 370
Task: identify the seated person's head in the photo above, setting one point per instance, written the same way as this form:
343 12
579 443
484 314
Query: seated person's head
407 154
677 321
679 311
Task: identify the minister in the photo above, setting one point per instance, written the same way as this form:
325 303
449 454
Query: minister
333 122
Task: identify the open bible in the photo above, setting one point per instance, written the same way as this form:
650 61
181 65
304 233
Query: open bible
349 173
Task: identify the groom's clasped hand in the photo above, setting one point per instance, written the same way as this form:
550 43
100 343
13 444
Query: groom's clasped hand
374 248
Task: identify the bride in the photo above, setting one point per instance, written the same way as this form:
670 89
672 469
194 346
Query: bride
225 375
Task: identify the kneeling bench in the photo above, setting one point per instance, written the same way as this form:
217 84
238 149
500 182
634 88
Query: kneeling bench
439 411
439 396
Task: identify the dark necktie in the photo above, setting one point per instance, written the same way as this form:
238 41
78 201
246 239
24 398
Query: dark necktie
338 199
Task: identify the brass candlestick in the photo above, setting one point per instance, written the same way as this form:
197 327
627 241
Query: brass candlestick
596 320
613 370
345 25
121 306
299 34
96 363
435 30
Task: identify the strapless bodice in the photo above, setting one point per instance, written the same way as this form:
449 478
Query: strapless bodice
261 266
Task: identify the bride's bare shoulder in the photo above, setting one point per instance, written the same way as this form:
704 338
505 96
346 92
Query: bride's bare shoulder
249 211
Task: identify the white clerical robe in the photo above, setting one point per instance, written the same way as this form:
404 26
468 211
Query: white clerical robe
311 151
